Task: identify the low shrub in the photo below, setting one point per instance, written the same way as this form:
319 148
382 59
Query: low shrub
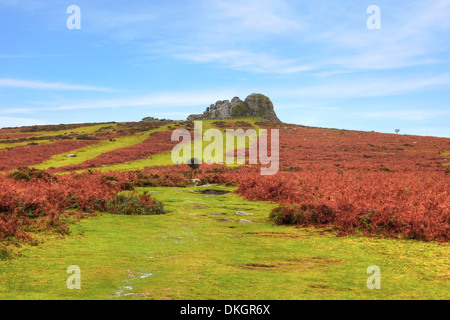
135 205
19 175
86 137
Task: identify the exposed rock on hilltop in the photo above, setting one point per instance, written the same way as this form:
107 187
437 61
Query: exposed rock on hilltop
255 105
152 119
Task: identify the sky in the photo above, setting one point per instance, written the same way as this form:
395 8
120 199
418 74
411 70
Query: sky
319 62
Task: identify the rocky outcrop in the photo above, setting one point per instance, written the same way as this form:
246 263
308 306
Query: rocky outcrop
261 106
152 119
255 105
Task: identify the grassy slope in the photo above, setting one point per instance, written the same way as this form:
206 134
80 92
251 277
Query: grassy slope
165 158
18 144
190 254
88 129
94 151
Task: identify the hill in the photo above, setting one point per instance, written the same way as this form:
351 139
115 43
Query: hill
164 231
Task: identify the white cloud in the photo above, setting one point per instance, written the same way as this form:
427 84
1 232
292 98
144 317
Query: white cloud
244 60
20 122
410 115
40 85
169 114
266 16
16 110
174 99
24 56
436 131
157 100
369 87
412 34
234 34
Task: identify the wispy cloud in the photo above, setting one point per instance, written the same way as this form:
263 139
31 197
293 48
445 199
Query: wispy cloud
28 56
169 99
232 35
409 115
376 86
169 114
19 122
155 101
40 85
241 16
336 42
244 60
411 34
436 131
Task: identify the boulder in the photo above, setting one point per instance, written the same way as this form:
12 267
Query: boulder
150 119
242 213
239 108
194 117
261 106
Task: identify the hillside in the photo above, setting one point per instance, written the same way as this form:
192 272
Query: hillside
46 147
344 191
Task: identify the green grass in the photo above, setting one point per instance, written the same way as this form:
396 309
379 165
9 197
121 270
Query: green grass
446 154
23 143
87 129
190 254
161 159
93 151
210 124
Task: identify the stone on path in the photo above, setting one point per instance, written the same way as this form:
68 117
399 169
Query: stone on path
242 213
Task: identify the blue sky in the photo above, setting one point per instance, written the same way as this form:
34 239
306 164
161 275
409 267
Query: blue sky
317 60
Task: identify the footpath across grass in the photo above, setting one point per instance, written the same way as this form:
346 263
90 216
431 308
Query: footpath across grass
203 250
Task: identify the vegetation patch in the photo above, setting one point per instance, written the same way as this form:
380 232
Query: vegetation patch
135 205
213 192
293 264
277 235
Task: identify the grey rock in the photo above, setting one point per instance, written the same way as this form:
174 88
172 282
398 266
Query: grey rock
245 221
255 105
150 119
261 106
153 119
71 155
194 117
242 213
